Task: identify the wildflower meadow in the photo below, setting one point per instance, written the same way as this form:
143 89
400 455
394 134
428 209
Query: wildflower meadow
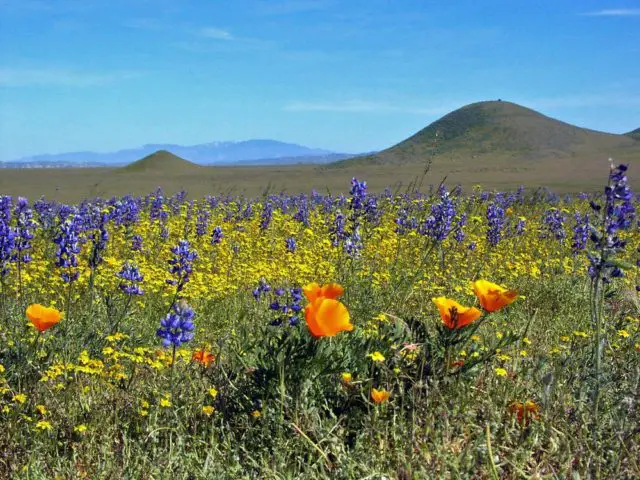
434 334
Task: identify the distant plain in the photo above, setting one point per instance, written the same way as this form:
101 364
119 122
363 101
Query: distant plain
498 145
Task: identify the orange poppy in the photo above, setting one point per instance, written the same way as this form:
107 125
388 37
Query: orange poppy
203 357
43 318
379 396
526 411
493 297
326 317
313 291
454 315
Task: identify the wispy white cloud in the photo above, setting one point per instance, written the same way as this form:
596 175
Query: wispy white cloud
360 106
614 12
60 77
215 33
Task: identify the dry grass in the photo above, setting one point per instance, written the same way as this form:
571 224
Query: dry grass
73 185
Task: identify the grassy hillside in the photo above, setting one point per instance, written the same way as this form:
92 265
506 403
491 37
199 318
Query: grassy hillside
161 161
634 134
499 130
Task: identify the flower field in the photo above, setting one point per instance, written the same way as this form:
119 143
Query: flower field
442 334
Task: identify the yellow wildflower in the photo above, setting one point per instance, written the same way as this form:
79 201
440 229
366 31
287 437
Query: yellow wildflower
376 357
43 425
20 398
208 410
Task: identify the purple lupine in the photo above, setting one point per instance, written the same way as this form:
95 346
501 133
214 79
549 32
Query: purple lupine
353 243
67 240
290 243
358 195
247 213
459 233
581 231
553 225
126 211
495 222
99 239
618 214
157 203
24 230
177 327
401 221
262 289
130 278
439 223
202 222
7 235
302 215
266 215
181 265
46 213
216 236
337 230
371 211
136 243
286 304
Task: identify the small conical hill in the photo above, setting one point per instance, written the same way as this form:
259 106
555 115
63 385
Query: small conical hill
162 162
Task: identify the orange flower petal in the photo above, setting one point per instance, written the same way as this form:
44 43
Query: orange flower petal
463 315
312 323
493 297
42 317
331 290
203 357
379 396
332 317
327 317
311 291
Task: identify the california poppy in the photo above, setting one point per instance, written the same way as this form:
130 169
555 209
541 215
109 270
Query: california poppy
526 411
203 357
454 315
43 318
326 317
493 297
379 396
313 291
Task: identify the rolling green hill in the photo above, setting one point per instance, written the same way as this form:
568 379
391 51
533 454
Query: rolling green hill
634 134
499 130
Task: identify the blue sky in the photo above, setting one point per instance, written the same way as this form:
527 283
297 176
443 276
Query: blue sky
350 75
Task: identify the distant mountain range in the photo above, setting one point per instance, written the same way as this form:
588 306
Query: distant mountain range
249 152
